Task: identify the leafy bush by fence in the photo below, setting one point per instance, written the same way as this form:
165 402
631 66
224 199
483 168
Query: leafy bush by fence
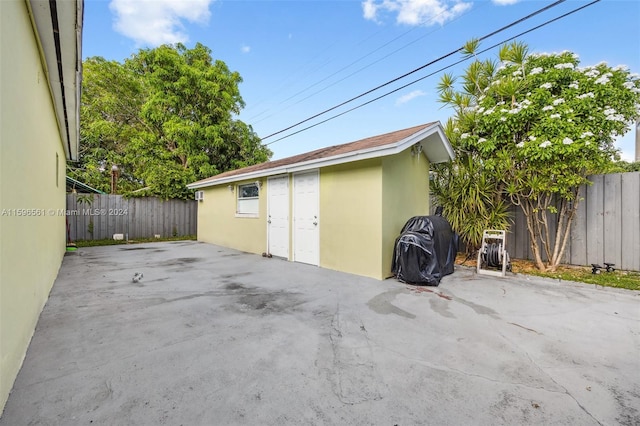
606 227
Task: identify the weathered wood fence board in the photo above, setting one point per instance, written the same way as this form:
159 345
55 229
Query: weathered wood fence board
105 215
606 227
630 221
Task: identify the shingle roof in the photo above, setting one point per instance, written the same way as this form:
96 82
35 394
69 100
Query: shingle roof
322 153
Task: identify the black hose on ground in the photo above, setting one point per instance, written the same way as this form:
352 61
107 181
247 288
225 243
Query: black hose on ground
492 255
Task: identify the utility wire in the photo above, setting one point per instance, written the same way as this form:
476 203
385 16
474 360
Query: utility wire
441 58
357 71
436 72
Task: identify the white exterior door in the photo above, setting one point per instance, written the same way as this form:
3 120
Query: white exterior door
278 216
306 223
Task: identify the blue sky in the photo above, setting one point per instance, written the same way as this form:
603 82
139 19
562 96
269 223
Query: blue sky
300 57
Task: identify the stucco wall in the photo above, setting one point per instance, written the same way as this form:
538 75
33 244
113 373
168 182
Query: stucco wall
405 193
31 247
350 217
363 206
218 223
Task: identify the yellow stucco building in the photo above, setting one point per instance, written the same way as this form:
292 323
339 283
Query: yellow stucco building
340 207
40 75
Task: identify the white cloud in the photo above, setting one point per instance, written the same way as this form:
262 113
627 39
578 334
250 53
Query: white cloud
505 2
416 12
410 96
156 22
245 49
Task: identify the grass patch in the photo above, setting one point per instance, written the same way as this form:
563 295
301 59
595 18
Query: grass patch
111 242
619 279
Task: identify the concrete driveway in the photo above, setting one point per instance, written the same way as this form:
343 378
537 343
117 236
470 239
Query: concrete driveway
212 336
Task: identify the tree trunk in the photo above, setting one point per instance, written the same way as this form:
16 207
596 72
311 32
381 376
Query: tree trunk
535 213
533 227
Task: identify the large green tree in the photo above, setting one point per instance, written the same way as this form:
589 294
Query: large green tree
535 126
166 117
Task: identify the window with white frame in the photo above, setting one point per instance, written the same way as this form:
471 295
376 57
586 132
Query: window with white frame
248 199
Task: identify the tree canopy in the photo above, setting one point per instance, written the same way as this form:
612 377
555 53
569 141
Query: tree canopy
165 117
532 127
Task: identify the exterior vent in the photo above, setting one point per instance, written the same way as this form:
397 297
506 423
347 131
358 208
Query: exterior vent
199 195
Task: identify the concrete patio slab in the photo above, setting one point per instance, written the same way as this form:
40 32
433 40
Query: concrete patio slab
212 336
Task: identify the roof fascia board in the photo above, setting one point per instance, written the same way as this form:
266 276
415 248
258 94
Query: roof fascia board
64 87
445 143
364 154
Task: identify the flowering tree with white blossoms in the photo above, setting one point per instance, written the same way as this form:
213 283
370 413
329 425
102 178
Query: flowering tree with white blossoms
538 124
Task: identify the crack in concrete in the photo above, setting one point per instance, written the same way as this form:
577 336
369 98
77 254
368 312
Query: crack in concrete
356 376
543 371
467 373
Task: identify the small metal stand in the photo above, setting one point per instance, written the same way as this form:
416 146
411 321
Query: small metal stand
493 258
596 269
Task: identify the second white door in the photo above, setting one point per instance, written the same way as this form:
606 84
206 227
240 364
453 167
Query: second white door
278 216
306 220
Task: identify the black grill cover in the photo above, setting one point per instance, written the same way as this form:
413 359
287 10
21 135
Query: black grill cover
425 251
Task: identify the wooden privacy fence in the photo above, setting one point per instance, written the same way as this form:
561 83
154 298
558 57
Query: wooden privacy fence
97 217
606 227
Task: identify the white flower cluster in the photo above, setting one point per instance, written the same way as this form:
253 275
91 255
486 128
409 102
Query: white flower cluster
621 68
516 73
604 78
573 85
464 136
546 86
589 72
554 116
628 85
567 65
481 140
586 95
586 135
489 111
520 144
545 144
615 117
536 70
567 141
547 108
503 118
532 138
558 101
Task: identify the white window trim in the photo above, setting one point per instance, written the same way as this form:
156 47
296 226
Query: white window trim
238 199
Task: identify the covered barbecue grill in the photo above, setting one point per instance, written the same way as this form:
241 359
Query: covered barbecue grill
425 251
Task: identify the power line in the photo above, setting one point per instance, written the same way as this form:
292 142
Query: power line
435 72
353 63
441 58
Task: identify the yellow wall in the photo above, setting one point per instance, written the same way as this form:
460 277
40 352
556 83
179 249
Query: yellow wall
363 206
350 217
405 193
31 248
218 224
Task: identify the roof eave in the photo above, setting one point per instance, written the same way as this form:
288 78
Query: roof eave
58 28
427 137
